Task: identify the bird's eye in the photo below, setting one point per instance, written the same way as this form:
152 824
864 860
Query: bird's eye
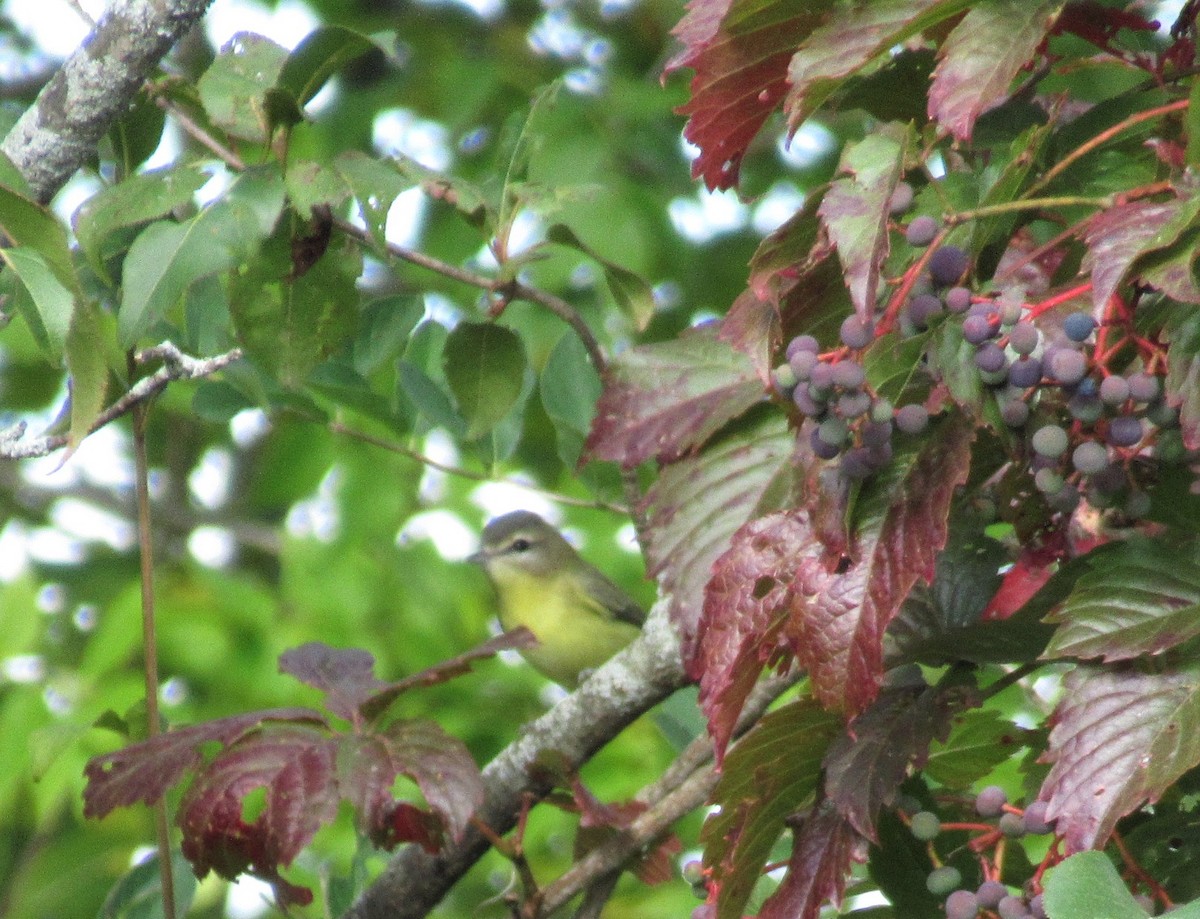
521 545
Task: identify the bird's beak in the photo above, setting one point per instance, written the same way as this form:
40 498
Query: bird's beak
477 558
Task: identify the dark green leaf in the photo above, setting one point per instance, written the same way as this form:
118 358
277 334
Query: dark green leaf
570 389
631 292
1086 886
233 88
485 366
319 55
979 741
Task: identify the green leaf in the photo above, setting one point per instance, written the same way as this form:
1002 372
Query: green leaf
1141 598
1192 119
137 200
570 388
384 328
166 258
218 401
27 223
374 185
485 365
52 303
1087 886
319 55
340 382
85 350
769 775
234 87
979 741
429 398
310 184
138 893
632 293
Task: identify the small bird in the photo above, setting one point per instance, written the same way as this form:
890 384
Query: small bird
579 617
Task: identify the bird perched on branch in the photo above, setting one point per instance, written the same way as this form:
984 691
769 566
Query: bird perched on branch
579 617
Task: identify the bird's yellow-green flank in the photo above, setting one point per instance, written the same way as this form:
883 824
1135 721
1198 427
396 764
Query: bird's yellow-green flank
579 617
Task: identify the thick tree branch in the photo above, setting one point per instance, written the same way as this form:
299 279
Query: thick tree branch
93 88
176 366
631 683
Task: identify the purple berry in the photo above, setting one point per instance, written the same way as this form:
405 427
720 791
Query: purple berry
1124 431
977 329
1035 819
1143 387
853 404
1025 372
990 893
912 419
803 400
1023 338
921 231
856 333
822 449
1090 457
1078 326
922 308
990 358
958 299
1015 413
991 800
947 265
848 374
962 904
1066 366
902 198
802 343
1050 441
802 363
1114 390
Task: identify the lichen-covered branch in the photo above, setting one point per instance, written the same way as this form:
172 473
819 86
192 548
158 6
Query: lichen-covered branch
176 366
93 88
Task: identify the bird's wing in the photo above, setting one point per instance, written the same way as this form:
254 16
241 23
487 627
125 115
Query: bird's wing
615 602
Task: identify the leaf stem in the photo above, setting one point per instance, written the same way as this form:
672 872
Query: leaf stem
1027 204
1103 137
150 639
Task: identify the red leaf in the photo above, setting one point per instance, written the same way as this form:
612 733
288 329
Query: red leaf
1024 579
865 766
1121 737
695 506
752 327
295 765
144 771
823 847
739 50
663 401
855 211
441 766
856 37
1118 236
745 607
840 614
407 823
981 58
345 675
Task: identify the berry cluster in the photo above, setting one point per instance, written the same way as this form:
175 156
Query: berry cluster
852 423
991 897
1079 422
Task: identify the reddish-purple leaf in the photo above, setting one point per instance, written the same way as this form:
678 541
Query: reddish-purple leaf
515 640
441 766
982 56
790 250
739 50
855 210
844 604
1118 236
865 766
295 766
665 400
1138 599
1171 272
1122 736
345 675
745 607
770 774
144 771
857 36
823 847
695 506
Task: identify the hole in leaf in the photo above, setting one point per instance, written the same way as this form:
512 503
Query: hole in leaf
762 587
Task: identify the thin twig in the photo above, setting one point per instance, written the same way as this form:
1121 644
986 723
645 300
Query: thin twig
338 428
176 366
150 641
1102 138
222 152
